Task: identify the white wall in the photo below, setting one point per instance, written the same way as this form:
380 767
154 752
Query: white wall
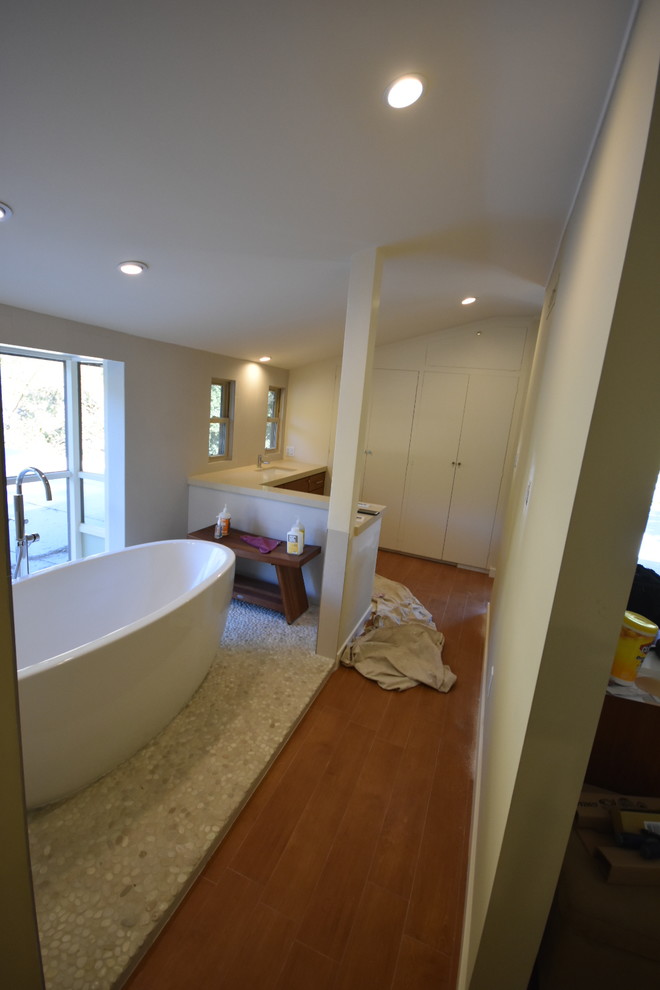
167 407
588 458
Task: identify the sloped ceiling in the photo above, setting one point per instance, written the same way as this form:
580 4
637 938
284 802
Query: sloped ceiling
246 153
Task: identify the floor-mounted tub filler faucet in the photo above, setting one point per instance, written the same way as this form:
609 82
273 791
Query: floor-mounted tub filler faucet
22 539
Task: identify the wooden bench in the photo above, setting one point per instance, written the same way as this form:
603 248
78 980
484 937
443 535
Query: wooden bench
289 595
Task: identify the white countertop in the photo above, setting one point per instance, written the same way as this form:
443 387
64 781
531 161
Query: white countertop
253 480
263 482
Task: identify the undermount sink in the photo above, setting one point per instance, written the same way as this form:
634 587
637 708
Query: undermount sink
275 470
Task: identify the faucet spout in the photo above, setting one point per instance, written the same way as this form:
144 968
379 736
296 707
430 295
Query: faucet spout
22 539
38 471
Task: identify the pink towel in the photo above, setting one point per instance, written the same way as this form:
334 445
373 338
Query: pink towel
262 543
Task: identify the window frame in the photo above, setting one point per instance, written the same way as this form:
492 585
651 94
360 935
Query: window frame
227 418
112 532
277 419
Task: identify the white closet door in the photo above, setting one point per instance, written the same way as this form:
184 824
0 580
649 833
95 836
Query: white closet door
481 453
433 453
388 440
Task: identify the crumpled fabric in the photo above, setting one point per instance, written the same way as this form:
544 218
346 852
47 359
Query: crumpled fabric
400 647
263 543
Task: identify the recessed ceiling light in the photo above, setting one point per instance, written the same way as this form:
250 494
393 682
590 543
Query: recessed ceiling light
264 358
405 91
468 300
5 211
133 267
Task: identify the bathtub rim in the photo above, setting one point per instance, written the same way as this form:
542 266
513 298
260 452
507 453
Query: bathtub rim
228 560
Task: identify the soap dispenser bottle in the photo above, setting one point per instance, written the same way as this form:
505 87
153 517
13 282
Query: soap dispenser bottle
222 524
295 539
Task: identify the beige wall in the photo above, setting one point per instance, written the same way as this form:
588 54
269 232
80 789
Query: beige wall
587 463
311 411
166 391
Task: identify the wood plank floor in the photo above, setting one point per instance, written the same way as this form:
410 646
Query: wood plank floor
347 867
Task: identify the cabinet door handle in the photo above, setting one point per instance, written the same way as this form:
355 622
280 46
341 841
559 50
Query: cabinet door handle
456 463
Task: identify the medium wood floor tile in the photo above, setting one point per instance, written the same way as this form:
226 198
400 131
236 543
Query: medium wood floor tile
264 843
372 702
303 859
306 969
247 817
181 946
436 904
400 714
339 691
198 942
371 954
334 902
397 846
420 967
256 960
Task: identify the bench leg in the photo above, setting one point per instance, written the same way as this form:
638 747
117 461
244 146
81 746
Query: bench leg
293 591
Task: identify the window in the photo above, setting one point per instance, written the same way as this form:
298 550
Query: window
222 394
649 552
274 413
54 418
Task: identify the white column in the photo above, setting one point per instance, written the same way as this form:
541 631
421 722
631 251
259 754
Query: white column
357 360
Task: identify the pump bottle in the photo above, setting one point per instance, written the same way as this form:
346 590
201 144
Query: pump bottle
295 539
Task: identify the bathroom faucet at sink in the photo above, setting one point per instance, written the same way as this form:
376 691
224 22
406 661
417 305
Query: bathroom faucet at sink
261 460
23 540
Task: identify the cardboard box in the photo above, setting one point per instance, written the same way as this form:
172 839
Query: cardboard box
632 821
592 839
594 808
627 866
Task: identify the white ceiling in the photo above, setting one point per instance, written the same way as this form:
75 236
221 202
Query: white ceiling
244 150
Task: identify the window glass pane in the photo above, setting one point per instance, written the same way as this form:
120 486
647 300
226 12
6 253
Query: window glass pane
34 413
91 544
48 519
92 424
272 402
92 498
217 400
649 552
271 436
217 439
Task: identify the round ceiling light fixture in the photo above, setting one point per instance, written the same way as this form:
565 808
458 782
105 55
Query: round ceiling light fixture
133 267
5 211
405 91
264 359
468 300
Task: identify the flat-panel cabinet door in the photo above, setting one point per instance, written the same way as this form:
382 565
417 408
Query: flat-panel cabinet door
480 462
433 453
388 441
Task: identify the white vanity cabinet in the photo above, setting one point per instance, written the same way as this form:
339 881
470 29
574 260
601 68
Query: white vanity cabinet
438 440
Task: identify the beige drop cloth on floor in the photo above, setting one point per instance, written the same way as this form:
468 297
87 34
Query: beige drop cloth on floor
400 646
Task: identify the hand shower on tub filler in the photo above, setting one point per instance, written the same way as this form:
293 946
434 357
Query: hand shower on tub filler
295 538
222 524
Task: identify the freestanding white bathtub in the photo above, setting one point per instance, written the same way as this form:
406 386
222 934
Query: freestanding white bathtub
109 649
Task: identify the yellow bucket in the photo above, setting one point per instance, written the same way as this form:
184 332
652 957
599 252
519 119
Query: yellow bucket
637 636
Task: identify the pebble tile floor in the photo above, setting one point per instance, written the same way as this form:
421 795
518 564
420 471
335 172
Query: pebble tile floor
110 863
